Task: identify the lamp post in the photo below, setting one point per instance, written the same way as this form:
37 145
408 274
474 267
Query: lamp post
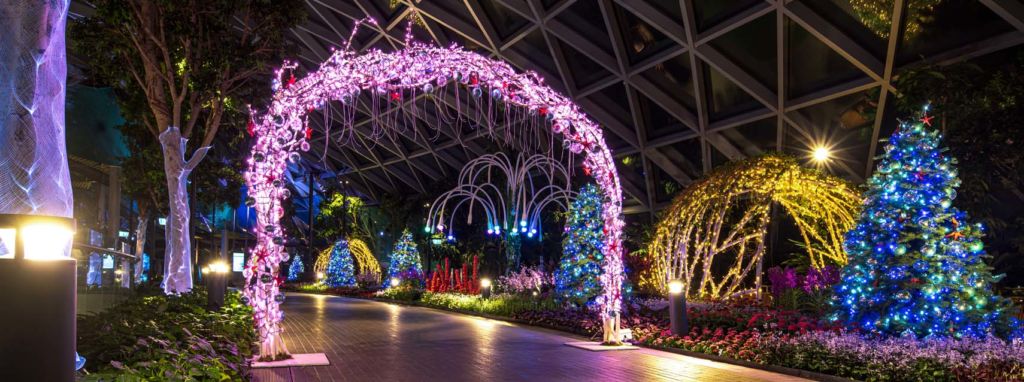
677 308
38 280
485 287
216 276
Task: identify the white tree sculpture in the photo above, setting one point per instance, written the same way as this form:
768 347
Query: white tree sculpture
510 194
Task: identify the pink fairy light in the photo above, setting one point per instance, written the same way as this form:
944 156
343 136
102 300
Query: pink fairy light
283 130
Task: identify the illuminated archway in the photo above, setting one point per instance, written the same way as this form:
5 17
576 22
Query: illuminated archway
718 225
390 77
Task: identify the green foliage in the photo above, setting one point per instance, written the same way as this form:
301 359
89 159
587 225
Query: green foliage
505 305
401 293
190 64
168 338
348 216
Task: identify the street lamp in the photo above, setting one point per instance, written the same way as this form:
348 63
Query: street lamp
677 308
485 287
38 279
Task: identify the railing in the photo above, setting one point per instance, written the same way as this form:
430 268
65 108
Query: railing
104 277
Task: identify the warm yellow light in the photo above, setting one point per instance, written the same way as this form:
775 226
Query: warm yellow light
675 287
205 270
821 154
46 241
218 267
395 281
319 275
485 283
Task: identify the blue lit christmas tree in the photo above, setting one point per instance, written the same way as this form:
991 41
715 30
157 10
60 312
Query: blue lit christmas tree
577 278
295 270
341 271
405 259
916 265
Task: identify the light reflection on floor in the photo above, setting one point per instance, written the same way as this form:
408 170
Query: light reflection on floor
373 341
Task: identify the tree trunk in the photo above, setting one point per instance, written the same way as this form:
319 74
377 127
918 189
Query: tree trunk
140 241
178 249
34 176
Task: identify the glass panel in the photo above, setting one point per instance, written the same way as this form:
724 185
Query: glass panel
933 26
708 13
640 38
725 99
812 65
752 47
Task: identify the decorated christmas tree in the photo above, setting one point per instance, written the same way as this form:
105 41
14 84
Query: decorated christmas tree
296 269
340 269
578 276
405 259
916 264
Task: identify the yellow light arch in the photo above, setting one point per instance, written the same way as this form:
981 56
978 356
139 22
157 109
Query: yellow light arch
365 261
712 238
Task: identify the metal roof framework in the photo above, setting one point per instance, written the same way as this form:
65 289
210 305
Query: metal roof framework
679 86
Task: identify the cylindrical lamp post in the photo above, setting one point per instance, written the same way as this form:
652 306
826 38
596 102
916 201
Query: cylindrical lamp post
485 287
38 280
216 276
677 308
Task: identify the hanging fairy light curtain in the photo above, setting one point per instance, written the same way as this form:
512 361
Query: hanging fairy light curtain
391 79
712 238
511 196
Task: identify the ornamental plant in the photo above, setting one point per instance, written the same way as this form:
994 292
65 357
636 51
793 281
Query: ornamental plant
527 280
463 281
577 279
917 266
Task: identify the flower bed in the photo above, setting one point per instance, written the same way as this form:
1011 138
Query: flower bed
750 331
168 338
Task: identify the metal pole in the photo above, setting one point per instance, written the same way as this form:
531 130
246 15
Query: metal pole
679 324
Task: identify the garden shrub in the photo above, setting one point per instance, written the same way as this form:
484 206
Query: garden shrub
168 338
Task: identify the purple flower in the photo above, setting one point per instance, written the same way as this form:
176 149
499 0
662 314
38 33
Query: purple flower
782 280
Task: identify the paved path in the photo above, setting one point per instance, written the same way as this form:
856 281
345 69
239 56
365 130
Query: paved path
379 342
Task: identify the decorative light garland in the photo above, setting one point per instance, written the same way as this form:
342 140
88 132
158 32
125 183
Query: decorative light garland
366 263
509 195
392 77
726 215
579 271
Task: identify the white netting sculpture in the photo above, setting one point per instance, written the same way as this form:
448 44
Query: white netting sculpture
34 175
510 194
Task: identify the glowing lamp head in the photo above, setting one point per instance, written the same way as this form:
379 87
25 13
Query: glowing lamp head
395 281
821 154
675 287
319 275
218 267
485 283
43 238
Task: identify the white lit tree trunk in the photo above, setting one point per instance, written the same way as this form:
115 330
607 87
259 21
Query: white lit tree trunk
178 249
34 176
141 229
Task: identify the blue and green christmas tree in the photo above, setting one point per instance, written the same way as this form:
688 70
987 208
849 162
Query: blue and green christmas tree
404 261
917 266
577 279
295 270
341 271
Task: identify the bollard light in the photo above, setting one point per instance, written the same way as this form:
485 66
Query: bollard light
485 287
677 308
39 279
395 281
319 275
216 276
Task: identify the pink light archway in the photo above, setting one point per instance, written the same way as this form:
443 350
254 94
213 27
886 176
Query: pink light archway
283 130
